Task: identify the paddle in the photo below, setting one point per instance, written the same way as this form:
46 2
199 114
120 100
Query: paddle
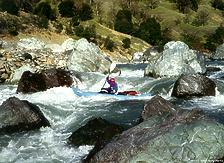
112 67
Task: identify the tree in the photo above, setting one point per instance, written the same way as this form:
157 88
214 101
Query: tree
67 8
201 18
216 39
123 22
150 31
126 43
44 9
86 12
218 4
10 6
184 5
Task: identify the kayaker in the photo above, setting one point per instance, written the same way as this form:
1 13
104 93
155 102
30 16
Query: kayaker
113 88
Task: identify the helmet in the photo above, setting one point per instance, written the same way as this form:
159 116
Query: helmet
112 79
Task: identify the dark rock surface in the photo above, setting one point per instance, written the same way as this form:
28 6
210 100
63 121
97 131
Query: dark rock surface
20 115
166 136
96 130
35 82
193 85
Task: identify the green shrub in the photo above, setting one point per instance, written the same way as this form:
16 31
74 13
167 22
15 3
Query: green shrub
67 8
109 44
123 22
79 30
218 4
150 31
43 22
216 39
9 6
44 9
88 32
86 12
126 43
75 21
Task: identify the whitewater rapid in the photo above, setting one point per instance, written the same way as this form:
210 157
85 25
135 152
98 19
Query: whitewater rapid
67 112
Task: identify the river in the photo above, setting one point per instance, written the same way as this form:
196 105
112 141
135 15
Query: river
67 112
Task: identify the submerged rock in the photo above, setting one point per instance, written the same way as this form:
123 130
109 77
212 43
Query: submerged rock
20 115
193 85
175 60
35 82
167 136
87 57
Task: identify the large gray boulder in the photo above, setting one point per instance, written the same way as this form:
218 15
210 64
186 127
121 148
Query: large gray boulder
20 115
175 60
87 57
168 136
193 85
219 53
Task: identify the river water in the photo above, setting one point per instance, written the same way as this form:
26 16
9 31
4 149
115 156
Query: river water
67 112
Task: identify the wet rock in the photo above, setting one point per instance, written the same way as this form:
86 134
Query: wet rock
35 82
20 115
212 69
156 107
193 85
176 59
167 136
96 130
87 57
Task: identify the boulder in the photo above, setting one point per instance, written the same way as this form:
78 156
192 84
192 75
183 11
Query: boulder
18 73
68 44
35 82
219 53
193 85
20 115
137 57
156 107
167 136
176 59
95 131
87 57
30 44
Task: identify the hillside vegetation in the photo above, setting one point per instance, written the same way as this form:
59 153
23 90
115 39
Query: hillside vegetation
120 27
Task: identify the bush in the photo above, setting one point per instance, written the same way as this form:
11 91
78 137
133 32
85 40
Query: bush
126 43
216 39
109 44
86 13
9 6
75 21
44 9
27 6
218 4
89 32
43 22
123 22
150 31
67 8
